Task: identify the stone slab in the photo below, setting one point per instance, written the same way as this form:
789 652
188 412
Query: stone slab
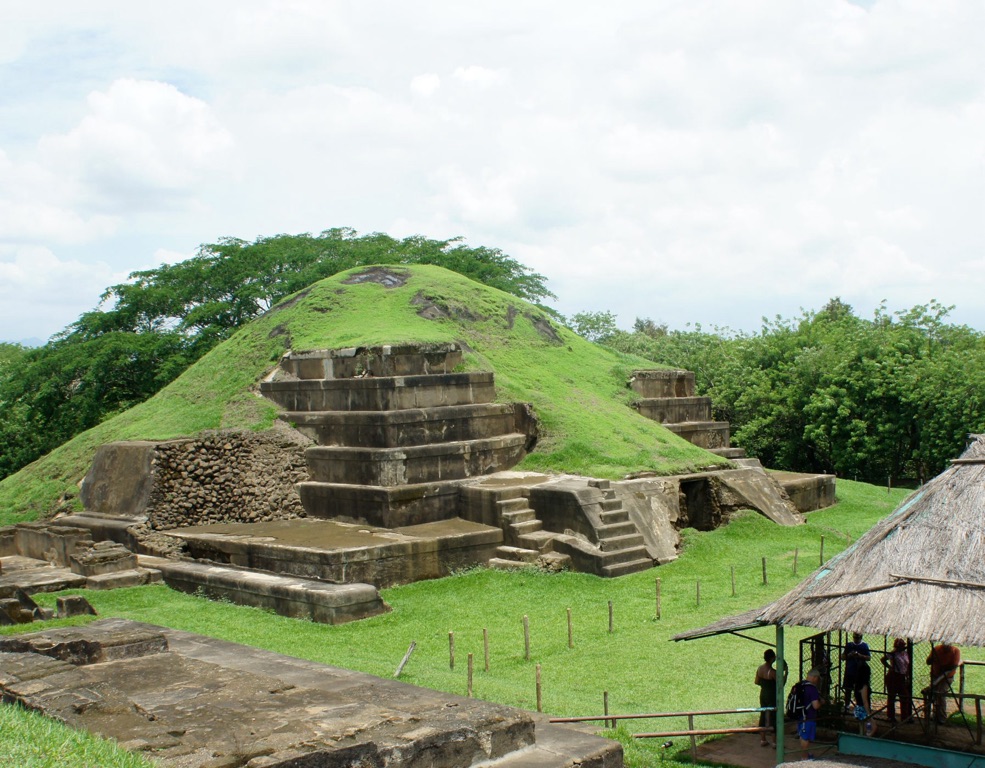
379 506
298 598
343 552
412 426
42 578
672 410
386 360
205 702
807 492
663 383
392 467
120 479
382 394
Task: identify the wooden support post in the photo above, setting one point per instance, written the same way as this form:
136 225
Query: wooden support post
540 705
733 581
403 663
822 551
526 637
978 718
694 740
610 617
605 709
451 650
571 635
658 599
485 646
765 581
796 553
469 694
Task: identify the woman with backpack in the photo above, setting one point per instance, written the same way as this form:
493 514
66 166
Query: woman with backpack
898 681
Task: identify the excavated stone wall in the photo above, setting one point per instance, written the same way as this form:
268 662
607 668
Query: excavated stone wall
227 477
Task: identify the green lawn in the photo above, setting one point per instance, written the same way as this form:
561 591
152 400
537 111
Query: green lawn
637 665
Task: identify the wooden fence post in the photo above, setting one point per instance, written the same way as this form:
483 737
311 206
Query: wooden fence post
526 637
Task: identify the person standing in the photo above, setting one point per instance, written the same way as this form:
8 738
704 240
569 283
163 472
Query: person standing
810 703
766 680
944 660
897 664
857 673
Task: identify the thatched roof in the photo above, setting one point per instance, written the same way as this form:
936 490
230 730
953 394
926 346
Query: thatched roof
918 574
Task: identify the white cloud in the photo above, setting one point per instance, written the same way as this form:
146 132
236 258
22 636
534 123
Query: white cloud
687 161
36 284
143 144
480 77
425 85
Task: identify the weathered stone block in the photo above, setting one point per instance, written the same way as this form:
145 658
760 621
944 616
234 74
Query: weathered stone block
382 394
411 427
390 467
73 605
662 383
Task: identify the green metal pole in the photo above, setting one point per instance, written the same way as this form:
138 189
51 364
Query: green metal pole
780 698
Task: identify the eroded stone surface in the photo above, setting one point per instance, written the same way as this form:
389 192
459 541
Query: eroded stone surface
201 702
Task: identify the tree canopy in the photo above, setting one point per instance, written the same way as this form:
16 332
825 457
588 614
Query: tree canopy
885 399
149 329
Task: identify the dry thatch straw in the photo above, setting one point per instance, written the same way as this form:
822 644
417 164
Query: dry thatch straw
918 574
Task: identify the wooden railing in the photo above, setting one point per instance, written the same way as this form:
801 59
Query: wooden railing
692 732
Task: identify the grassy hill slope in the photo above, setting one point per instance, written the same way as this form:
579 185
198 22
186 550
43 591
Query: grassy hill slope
577 388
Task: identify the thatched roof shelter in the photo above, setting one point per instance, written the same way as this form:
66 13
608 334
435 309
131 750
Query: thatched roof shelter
917 574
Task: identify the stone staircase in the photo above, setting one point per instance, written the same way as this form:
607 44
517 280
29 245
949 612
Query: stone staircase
668 398
621 544
397 430
606 542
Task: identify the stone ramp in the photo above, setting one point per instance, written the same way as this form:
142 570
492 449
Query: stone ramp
191 701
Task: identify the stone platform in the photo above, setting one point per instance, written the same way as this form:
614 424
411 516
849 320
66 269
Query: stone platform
346 552
189 701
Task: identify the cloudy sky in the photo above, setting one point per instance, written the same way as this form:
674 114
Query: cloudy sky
703 162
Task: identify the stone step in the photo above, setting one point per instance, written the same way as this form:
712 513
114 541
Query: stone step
559 746
611 557
611 505
625 541
389 467
602 485
389 393
623 569
408 427
729 453
542 541
517 553
527 527
704 434
662 383
316 601
617 516
386 360
386 507
518 503
134 577
611 531
675 409
505 564
519 516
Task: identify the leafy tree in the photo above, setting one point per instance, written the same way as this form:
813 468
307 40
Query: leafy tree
889 398
594 326
147 330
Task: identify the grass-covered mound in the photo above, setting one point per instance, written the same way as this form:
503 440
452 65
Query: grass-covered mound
577 388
